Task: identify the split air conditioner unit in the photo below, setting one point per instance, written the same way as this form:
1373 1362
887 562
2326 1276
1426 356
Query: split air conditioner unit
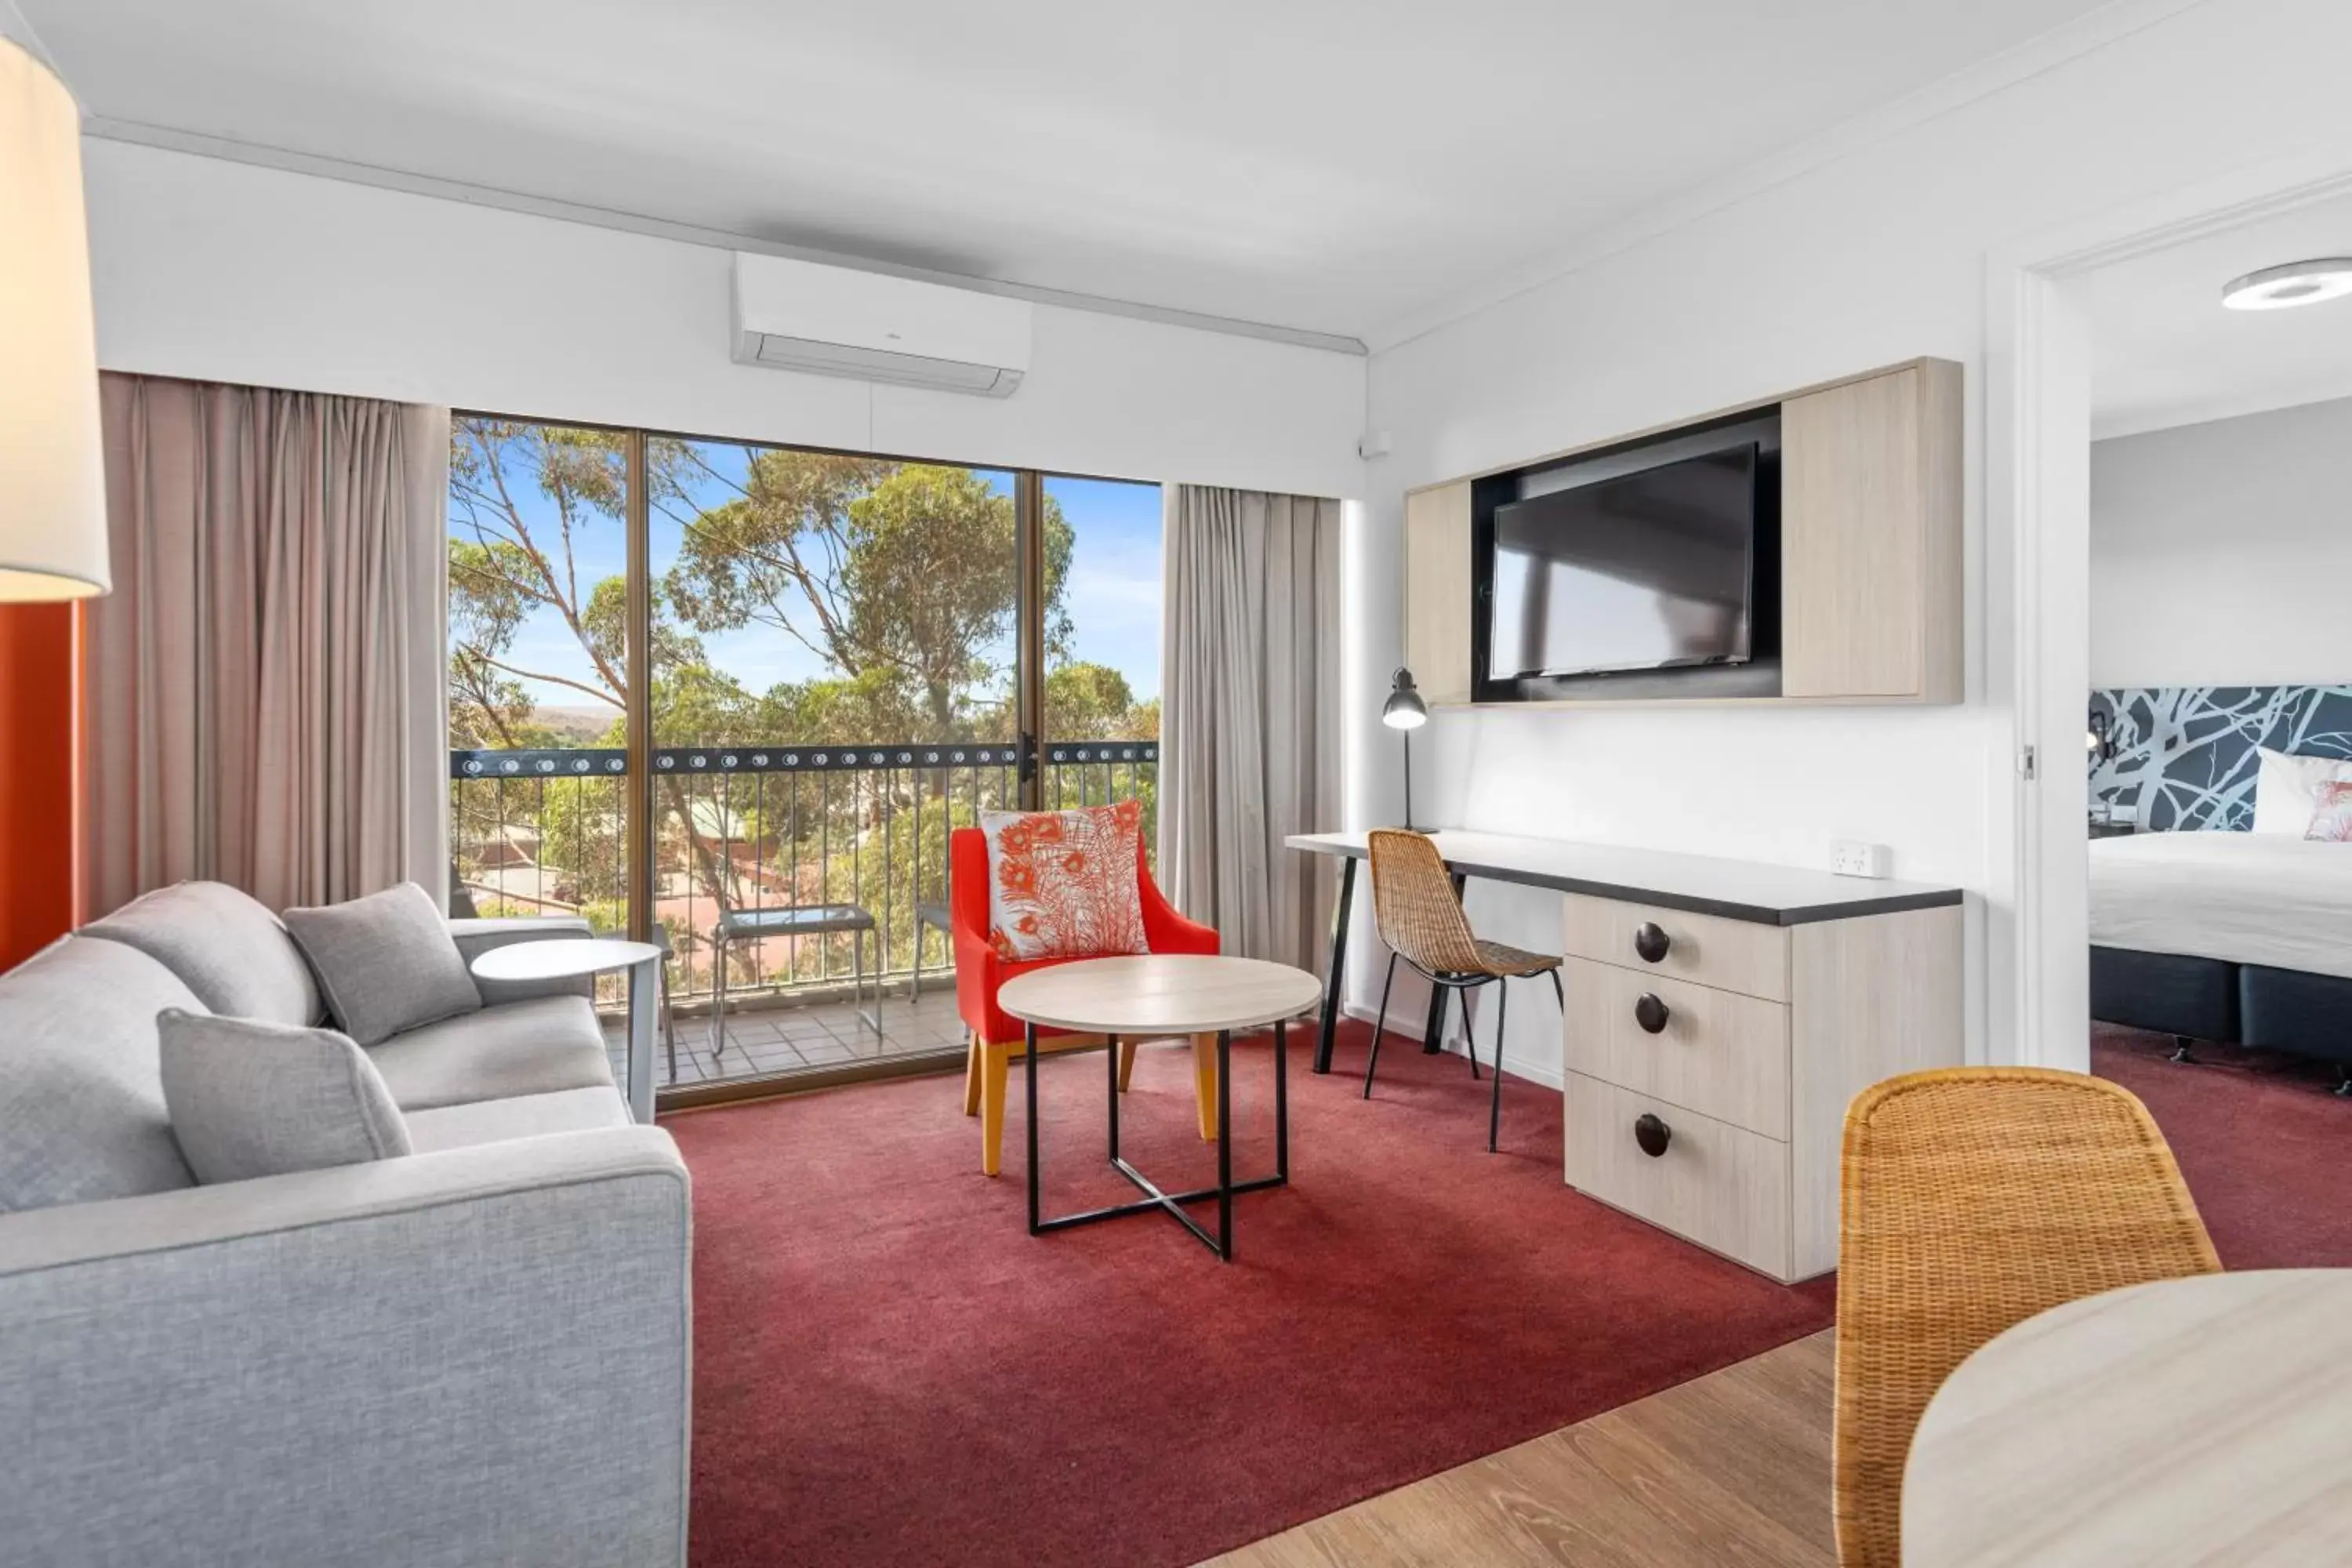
835 320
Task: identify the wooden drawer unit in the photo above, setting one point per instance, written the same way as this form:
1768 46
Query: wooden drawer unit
1721 1187
1718 1052
1707 949
1746 1041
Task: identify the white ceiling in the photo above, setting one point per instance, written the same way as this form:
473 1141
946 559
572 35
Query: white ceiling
1335 165
2165 352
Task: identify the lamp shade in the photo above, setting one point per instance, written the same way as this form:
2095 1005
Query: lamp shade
52 482
1404 709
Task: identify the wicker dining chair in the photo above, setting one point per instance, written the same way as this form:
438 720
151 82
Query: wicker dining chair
1974 1198
1419 914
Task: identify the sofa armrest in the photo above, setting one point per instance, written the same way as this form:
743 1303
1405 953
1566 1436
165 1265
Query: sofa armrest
482 1355
477 936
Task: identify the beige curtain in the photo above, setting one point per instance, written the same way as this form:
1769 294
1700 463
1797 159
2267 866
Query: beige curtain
1250 721
265 701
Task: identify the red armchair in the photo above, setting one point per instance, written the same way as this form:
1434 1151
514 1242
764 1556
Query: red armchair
996 1038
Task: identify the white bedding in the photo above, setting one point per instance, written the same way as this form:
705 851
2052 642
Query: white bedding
2250 898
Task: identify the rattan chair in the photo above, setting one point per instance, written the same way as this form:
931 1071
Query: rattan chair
1974 1198
1418 912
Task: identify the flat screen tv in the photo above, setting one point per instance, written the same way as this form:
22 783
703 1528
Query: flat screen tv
1649 570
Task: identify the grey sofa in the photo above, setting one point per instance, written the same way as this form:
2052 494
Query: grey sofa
476 1354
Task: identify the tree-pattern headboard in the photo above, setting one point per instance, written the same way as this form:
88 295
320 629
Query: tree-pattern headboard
2185 754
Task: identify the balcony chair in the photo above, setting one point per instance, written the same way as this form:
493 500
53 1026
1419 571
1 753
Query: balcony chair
1419 914
1974 1198
929 915
996 1038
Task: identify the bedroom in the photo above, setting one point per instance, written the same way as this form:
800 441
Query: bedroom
2219 728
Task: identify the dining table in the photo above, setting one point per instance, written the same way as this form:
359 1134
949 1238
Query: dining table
2187 1421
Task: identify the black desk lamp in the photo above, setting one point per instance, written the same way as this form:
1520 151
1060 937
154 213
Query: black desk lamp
1405 711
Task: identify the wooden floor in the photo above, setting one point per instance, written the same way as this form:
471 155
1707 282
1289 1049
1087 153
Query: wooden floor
1732 1468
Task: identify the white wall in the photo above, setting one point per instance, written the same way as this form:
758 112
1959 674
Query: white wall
218 270
2221 553
1877 256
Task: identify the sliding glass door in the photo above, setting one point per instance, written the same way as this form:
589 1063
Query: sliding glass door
1101 644
843 658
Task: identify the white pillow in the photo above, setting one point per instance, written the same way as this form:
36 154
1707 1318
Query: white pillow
2286 790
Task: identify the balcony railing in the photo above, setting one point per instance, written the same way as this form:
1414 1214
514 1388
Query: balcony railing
759 827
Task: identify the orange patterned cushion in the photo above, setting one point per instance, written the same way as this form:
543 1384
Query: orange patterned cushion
1063 884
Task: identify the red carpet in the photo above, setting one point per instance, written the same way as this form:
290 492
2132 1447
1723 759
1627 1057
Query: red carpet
2262 1141
890 1371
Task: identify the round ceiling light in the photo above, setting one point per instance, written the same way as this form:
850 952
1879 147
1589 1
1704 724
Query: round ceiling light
2296 283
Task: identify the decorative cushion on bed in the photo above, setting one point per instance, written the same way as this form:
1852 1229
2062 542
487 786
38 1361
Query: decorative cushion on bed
2331 822
386 963
252 1099
2286 790
1066 884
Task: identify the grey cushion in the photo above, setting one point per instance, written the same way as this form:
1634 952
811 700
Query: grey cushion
250 1098
537 1046
81 1106
495 1121
385 963
224 944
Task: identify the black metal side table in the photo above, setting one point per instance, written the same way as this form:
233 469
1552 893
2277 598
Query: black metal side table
1150 996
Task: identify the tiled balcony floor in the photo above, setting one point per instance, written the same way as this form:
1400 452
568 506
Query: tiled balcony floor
768 1034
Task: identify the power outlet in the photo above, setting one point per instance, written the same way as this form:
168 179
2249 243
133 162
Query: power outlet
1850 858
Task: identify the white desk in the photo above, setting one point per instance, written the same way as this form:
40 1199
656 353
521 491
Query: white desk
1720 1014
1702 884
2194 1421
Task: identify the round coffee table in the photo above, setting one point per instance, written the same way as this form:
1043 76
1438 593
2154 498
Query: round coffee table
575 957
1150 996
2190 1421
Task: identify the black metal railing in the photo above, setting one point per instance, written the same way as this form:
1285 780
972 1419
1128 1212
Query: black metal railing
741 827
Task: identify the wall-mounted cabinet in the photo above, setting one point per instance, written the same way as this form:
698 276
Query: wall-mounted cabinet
1866 601
1437 591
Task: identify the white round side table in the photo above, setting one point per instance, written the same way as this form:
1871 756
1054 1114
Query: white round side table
570 957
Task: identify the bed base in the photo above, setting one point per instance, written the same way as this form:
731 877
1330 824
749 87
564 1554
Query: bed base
2194 999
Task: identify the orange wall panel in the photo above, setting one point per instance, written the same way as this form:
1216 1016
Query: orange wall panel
40 763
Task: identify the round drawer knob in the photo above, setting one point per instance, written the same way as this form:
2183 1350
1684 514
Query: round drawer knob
1650 1013
1650 942
1652 1134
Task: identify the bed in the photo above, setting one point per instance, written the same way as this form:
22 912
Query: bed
2225 936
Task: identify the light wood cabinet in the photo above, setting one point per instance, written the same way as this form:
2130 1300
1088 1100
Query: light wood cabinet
1730 956
1870 538
1722 1054
1720 1185
1437 592
1752 1093
1871 577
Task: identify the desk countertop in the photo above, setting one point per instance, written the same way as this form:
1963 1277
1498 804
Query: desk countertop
1703 884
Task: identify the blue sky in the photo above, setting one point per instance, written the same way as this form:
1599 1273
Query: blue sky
1113 593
